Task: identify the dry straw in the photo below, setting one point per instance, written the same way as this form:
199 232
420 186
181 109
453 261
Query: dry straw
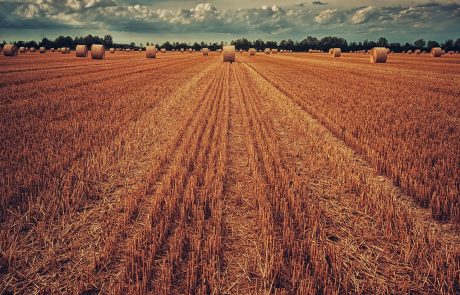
336 52
97 51
378 55
436 52
10 50
205 51
252 51
151 51
229 53
42 50
81 51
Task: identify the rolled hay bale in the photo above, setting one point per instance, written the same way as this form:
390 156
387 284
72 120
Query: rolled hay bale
63 50
112 50
151 51
140 50
205 51
409 51
42 49
378 55
403 52
10 50
418 51
451 52
336 52
229 53
267 51
52 50
27 48
331 51
97 51
59 50
310 50
81 51
32 49
436 52
163 50
190 50
252 51
274 51
22 50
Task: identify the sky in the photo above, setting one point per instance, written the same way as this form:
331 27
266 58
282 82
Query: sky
190 20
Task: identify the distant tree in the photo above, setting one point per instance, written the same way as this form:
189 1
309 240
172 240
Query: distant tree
108 40
396 47
432 44
419 44
333 42
448 45
132 45
456 44
141 45
382 42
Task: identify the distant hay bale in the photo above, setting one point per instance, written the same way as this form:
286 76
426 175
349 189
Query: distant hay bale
388 51
229 53
450 52
331 51
409 51
52 50
10 50
418 51
151 51
42 49
436 52
274 51
97 51
267 51
336 52
252 51
112 50
378 55
32 49
163 50
140 50
64 50
310 50
59 50
22 50
81 51
205 51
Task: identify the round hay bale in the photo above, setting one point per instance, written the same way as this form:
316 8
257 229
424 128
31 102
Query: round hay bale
27 48
190 50
205 51
378 55
97 51
112 50
163 50
10 50
331 51
64 50
32 49
229 53
274 51
418 51
436 52
42 50
252 51
52 50
81 51
267 51
336 52
409 51
151 51
22 50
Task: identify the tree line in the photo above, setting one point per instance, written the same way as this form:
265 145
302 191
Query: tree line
306 44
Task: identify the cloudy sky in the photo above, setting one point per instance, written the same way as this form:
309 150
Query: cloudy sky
190 20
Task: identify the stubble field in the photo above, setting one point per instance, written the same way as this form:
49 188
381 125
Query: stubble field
284 174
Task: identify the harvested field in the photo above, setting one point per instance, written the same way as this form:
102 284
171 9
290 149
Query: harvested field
261 176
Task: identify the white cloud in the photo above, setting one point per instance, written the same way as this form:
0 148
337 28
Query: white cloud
362 15
325 15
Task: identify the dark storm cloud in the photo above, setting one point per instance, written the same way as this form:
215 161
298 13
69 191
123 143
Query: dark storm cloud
283 21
